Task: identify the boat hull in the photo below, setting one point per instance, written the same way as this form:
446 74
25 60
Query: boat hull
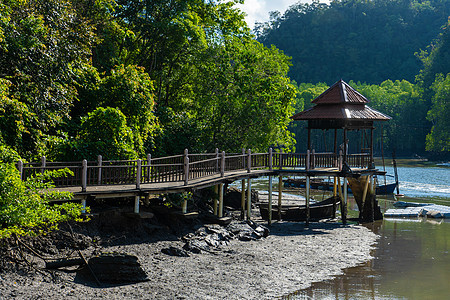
322 210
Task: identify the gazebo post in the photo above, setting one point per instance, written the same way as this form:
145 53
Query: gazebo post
371 147
335 141
309 137
345 144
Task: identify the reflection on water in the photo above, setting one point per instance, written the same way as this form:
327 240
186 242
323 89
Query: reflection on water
411 261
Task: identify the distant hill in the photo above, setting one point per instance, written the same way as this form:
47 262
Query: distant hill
366 41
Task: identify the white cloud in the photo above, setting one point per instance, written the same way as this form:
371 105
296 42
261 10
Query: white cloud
258 10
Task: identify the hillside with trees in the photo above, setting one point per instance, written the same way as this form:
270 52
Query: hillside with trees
396 53
366 41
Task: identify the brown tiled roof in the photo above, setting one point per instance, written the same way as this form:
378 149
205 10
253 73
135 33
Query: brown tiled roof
341 101
341 111
340 92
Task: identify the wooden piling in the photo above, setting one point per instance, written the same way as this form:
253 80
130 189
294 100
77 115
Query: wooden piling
270 200
344 206
184 206
138 174
216 195
249 199
99 164
280 194
242 199
84 176
136 204
308 186
220 200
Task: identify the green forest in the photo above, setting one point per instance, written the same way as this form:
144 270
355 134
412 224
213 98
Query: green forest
123 78
396 53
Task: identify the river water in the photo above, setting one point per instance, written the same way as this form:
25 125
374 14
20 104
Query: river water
412 256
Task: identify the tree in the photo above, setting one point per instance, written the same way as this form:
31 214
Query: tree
439 138
243 96
39 42
102 132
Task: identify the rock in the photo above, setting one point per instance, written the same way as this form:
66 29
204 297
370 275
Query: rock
247 231
173 251
197 246
262 230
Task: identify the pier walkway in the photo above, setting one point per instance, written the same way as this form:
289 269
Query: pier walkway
189 172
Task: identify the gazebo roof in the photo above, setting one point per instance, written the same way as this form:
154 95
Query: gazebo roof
341 102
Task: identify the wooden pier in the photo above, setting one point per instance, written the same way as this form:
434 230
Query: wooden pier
189 172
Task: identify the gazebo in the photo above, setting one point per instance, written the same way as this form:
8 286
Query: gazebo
341 107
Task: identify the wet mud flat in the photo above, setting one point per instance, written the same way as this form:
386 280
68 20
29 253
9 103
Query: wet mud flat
291 258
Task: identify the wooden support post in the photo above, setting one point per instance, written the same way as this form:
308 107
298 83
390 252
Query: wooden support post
249 161
138 173
217 160
242 199
184 206
309 138
186 167
364 195
43 164
335 141
216 195
99 164
136 204
371 148
222 165
334 186
313 159
308 189
345 145
270 159
308 159
341 160
243 159
20 168
280 194
281 159
220 200
149 163
344 211
249 198
84 175
373 185
269 209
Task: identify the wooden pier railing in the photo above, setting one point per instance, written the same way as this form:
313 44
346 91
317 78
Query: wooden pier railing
184 168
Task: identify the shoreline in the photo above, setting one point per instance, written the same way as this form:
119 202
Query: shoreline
289 259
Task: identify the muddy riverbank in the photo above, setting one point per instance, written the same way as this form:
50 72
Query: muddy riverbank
290 258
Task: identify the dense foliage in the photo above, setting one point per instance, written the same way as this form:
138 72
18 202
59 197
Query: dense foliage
368 41
25 210
123 78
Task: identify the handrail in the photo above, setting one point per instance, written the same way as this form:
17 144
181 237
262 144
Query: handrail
179 168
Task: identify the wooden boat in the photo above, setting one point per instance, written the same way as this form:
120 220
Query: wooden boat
320 210
320 184
386 189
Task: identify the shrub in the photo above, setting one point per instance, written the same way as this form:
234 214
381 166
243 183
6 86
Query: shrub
25 207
